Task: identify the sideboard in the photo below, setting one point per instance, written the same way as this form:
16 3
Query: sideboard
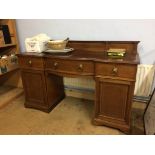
42 76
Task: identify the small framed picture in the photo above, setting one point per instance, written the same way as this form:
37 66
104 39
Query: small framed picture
149 116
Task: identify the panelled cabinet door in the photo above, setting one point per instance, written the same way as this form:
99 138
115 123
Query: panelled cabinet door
113 102
34 86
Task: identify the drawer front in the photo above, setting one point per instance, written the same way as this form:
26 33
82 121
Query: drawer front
31 62
70 66
116 70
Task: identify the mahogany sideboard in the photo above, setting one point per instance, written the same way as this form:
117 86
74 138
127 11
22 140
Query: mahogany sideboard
42 76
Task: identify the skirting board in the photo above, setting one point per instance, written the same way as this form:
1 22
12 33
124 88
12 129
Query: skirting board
90 94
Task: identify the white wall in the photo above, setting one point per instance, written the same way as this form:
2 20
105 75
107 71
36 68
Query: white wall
94 29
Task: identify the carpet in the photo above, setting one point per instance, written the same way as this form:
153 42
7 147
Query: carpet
71 117
8 93
137 122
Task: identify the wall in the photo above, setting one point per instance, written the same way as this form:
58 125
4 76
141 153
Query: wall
94 29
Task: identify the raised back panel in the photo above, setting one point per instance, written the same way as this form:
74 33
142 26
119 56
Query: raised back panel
94 46
130 46
100 46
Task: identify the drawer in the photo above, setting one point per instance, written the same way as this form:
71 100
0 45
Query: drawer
77 67
31 62
116 70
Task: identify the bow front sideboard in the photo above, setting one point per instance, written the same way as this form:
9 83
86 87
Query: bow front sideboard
42 76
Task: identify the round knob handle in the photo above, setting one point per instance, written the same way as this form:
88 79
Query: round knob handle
80 68
115 70
55 65
30 62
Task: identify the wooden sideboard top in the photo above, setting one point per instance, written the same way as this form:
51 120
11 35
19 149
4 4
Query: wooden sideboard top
95 51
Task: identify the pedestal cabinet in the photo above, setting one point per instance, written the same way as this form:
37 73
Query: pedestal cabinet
114 92
37 93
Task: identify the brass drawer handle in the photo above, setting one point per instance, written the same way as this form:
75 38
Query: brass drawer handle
30 62
115 70
55 65
80 67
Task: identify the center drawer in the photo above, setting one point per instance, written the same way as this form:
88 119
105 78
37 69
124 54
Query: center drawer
78 67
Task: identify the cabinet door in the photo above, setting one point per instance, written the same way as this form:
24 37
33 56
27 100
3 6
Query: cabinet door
34 86
113 102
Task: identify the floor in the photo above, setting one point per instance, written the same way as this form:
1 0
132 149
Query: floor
71 116
8 93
